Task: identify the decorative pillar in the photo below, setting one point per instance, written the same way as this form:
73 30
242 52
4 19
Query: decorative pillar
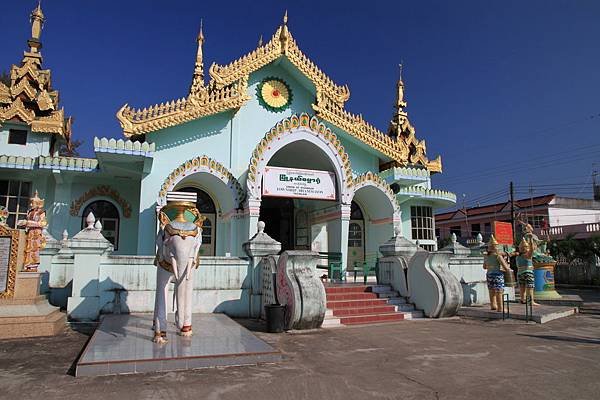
258 247
88 247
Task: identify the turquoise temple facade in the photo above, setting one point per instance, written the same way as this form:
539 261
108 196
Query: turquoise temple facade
272 107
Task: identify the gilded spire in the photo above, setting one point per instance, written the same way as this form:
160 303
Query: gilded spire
260 41
400 103
400 116
198 81
37 22
284 34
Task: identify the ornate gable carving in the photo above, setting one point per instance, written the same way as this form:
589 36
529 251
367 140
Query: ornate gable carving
227 90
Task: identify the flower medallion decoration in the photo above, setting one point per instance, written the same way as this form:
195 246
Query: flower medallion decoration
274 94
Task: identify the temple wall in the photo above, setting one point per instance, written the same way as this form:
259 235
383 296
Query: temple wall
91 284
38 144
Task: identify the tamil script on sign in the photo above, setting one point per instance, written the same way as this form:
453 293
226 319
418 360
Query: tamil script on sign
299 183
4 262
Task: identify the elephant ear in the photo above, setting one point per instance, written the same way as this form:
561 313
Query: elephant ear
164 219
199 218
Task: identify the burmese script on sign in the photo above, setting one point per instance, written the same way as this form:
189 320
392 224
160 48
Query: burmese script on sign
299 183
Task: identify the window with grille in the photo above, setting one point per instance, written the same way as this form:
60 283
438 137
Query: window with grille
355 235
14 196
421 220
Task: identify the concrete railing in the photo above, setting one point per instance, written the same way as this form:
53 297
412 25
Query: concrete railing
580 231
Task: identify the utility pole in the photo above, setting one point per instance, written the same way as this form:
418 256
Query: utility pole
512 211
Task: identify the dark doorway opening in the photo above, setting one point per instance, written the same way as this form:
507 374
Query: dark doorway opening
278 216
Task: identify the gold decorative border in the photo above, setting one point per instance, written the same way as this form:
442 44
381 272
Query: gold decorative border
374 179
13 234
287 124
227 90
205 163
102 190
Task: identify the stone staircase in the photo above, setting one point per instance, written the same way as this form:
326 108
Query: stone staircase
356 304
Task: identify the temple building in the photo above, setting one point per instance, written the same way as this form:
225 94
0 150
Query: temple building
265 137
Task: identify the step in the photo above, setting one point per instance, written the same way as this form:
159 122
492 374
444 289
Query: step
380 288
404 307
355 303
396 300
413 314
340 312
345 289
388 294
372 319
331 322
351 296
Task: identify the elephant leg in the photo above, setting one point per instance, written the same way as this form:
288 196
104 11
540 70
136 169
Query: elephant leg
189 291
184 305
160 304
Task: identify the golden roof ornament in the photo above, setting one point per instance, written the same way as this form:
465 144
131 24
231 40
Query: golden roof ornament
260 41
198 79
227 89
30 98
284 34
37 23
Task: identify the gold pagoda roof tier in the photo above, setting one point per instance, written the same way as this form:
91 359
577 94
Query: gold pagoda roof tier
227 89
29 98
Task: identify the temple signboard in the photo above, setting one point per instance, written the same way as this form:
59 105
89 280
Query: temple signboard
8 260
298 183
503 232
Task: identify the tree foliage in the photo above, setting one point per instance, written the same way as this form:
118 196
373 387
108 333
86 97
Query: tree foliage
70 149
571 249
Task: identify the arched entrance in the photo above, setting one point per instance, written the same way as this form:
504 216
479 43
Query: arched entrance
294 193
379 209
219 197
300 183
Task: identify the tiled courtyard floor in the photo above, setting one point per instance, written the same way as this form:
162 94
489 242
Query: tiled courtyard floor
449 359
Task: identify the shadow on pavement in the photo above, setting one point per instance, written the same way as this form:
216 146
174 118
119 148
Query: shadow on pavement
564 338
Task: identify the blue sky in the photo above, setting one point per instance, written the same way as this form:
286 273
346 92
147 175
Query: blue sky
503 90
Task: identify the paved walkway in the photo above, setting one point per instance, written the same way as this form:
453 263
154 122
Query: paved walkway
447 359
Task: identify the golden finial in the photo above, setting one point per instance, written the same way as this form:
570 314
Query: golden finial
198 80
200 38
283 36
260 41
400 66
400 103
37 22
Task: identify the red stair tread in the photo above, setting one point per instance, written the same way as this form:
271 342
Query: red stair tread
371 319
363 311
337 304
345 289
351 296
359 305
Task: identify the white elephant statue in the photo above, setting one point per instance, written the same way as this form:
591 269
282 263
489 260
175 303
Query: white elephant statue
178 242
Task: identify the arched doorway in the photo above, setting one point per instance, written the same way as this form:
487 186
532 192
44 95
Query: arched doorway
356 237
108 215
290 208
206 206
